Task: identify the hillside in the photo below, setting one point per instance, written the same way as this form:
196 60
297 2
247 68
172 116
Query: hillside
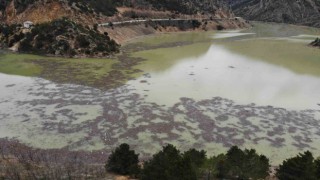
89 12
302 12
60 37
40 11
81 19
180 6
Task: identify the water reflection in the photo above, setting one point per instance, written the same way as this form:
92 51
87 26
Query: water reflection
281 30
222 73
228 34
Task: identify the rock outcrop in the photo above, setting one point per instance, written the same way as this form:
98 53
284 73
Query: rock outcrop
316 43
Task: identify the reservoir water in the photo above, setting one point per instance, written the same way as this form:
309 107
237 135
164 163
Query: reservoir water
255 88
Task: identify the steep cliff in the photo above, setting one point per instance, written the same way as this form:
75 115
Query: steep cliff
303 12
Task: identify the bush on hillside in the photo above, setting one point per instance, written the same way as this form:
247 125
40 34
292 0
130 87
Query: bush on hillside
82 41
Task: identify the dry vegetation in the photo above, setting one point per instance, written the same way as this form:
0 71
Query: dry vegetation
18 161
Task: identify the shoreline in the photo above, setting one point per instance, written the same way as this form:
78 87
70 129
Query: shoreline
126 33
174 32
288 24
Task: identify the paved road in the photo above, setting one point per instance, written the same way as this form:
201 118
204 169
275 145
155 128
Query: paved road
159 20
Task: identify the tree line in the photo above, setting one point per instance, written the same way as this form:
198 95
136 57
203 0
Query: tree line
18 161
171 164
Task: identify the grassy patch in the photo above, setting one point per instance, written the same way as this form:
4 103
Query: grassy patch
79 71
19 65
90 72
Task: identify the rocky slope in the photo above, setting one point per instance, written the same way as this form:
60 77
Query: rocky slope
302 12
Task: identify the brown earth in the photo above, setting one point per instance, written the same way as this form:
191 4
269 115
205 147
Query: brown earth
122 34
41 12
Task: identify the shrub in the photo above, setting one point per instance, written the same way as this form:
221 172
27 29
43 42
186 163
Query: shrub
82 41
302 166
18 37
245 164
101 47
196 23
317 164
25 46
220 28
169 164
197 159
123 161
95 27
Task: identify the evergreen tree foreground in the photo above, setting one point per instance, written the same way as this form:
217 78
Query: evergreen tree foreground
123 161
